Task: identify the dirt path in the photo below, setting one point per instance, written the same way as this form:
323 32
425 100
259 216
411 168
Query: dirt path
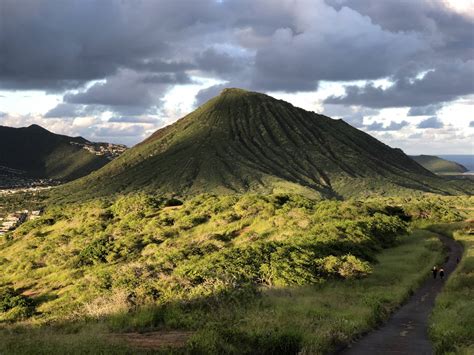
406 332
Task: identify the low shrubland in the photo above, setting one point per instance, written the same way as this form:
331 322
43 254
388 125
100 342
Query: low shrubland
308 319
224 264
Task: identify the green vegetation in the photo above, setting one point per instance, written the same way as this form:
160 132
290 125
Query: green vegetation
153 252
314 319
438 165
318 319
244 142
14 306
42 154
276 272
452 322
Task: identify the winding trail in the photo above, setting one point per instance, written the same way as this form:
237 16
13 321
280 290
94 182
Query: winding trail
406 332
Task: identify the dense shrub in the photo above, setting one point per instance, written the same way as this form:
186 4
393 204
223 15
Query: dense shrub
17 305
96 251
173 202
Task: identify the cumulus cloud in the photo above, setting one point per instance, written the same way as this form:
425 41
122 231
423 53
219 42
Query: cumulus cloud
64 110
128 92
432 122
277 45
393 126
351 114
82 40
128 119
448 32
429 110
446 83
296 59
220 63
124 57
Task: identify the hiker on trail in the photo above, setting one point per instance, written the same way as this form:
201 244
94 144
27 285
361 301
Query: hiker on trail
441 273
434 270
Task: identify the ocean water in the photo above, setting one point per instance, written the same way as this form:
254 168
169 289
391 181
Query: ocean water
466 160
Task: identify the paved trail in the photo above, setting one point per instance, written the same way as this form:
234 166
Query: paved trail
406 332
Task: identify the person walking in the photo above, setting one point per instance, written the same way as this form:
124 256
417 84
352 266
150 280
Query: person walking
434 270
441 273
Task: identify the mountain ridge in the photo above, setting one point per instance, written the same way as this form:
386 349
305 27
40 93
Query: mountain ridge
241 141
40 154
439 165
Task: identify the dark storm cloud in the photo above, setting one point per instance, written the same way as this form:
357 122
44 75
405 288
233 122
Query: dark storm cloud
143 48
294 42
160 66
429 110
296 61
449 33
56 45
64 110
168 78
393 126
432 122
127 93
217 62
446 83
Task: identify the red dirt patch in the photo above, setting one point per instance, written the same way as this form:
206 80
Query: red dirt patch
30 293
243 230
155 340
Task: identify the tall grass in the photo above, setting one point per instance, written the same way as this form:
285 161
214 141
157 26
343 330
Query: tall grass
309 319
318 319
452 321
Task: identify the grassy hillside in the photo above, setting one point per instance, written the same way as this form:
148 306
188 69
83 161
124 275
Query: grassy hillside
312 319
452 322
438 165
219 274
228 267
39 153
243 141
159 250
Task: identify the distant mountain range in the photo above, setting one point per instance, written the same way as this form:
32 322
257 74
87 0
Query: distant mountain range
466 160
32 154
439 165
244 141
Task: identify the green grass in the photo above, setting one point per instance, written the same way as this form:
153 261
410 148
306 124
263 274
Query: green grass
74 257
452 321
57 340
279 273
312 319
318 319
